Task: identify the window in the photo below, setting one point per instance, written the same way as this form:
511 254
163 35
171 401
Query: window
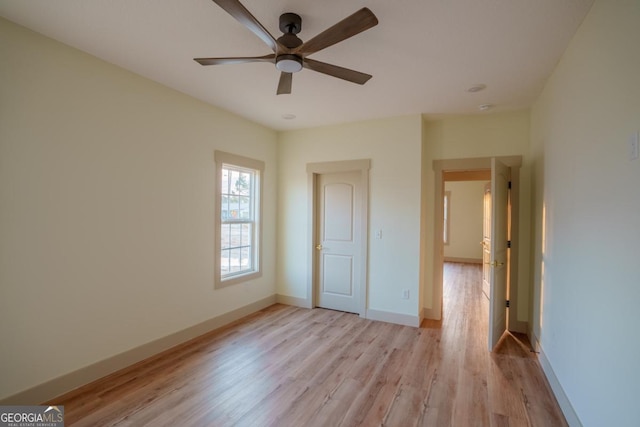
238 218
447 207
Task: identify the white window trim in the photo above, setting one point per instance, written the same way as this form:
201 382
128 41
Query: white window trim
221 158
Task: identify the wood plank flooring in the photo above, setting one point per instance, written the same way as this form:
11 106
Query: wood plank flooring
287 366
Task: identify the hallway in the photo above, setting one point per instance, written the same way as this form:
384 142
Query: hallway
506 387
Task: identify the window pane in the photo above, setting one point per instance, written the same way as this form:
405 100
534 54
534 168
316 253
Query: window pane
246 258
244 184
244 205
235 235
224 262
246 234
234 181
224 207
225 231
234 261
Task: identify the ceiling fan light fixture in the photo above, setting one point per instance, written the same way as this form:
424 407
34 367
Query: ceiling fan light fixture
289 51
288 63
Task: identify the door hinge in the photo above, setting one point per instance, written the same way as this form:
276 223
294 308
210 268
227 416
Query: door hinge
509 244
509 185
507 303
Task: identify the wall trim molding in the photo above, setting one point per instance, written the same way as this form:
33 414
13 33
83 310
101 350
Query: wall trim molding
68 382
563 401
391 317
293 301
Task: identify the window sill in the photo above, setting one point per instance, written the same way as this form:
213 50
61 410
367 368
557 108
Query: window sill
241 278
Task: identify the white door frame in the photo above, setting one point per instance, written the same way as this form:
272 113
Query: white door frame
313 170
475 164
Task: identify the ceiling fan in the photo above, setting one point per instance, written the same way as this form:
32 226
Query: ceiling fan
290 54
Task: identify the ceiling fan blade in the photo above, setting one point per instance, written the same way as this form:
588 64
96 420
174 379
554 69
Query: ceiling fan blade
350 26
284 85
335 71
242 15
236 60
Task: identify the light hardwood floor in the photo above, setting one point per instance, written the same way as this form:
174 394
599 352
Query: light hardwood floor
287 366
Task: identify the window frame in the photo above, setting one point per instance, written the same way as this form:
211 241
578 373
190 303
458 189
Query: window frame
223 159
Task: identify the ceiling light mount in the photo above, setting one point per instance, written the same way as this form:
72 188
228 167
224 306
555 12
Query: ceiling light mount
477 88
290 23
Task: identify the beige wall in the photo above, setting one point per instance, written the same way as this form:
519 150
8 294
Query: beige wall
106 218
482 135
465 219
393 145
586 204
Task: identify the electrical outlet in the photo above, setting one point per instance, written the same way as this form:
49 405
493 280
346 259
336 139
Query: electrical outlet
633 146
405 294
378 234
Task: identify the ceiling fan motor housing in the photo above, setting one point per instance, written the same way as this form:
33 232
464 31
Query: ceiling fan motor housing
290 25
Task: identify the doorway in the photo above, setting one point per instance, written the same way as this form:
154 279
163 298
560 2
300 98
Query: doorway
463 169
338 233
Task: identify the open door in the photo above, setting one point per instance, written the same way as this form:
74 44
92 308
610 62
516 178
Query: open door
500 176
486 241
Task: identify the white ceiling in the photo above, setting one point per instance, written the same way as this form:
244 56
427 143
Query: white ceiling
423 55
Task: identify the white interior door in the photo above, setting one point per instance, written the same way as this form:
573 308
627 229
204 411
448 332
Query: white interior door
500 175
338 246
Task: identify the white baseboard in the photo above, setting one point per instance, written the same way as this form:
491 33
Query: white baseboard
519 326
294 301
565 405
391 317
65 383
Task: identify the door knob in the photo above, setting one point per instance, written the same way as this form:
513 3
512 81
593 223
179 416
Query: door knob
319 247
